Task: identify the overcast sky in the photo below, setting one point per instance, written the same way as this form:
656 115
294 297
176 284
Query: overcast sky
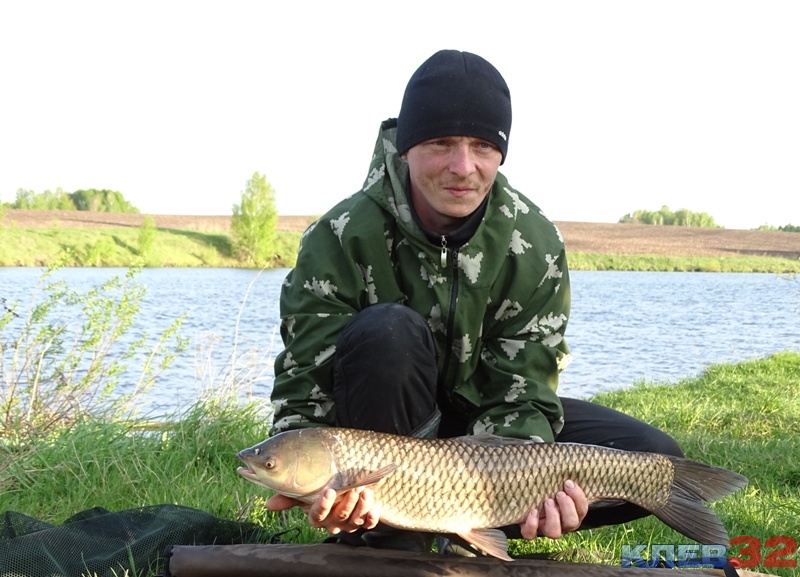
618 105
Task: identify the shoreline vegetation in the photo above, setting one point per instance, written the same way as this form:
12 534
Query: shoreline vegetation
78 238
64 449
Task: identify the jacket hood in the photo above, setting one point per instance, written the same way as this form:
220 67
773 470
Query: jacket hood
388 177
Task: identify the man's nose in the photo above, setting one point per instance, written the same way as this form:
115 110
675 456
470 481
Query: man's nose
462 160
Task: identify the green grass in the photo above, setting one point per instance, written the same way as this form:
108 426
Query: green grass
745 417
661 263
118 247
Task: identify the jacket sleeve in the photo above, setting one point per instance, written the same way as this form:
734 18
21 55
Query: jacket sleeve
318 298
521 359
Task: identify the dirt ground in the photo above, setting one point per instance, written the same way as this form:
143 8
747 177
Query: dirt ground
599 238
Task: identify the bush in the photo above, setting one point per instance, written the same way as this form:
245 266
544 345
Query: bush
63 359
147 236
99 253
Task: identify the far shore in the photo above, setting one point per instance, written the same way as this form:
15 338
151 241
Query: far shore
579 237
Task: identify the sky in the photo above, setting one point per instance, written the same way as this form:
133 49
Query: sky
618 105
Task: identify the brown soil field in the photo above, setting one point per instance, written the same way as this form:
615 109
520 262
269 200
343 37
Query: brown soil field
596 238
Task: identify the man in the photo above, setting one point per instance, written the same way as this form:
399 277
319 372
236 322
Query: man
434 302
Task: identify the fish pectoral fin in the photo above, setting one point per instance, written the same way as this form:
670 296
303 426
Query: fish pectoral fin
365 478
490 541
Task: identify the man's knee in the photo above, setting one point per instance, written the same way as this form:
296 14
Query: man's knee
595 424
385 370
391 321
660 442
387 331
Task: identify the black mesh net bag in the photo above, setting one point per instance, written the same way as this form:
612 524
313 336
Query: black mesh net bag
99 543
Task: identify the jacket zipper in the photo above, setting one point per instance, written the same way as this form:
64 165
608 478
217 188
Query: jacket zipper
453 299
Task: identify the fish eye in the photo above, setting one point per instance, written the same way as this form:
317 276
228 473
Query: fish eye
269 465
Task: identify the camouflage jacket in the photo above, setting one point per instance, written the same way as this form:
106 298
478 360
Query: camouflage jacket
507 290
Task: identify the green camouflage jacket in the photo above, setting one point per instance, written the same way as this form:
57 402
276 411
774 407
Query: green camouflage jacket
507 290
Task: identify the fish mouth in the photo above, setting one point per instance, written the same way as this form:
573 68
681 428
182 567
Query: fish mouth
246 470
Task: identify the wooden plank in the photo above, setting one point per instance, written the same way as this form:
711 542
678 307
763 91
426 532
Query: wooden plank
344 561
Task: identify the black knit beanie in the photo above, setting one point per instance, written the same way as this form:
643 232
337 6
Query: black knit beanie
455 93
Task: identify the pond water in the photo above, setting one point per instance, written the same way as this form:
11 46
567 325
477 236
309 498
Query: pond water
624 326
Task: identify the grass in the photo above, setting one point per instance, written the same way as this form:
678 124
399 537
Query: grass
120 465
745 417
118 247
662 263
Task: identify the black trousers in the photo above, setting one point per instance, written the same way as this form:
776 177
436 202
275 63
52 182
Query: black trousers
385 379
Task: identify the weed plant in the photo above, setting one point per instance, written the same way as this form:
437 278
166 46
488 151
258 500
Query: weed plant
62 356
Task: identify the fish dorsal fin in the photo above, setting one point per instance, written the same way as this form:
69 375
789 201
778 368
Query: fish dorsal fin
362 479
489 440
490 541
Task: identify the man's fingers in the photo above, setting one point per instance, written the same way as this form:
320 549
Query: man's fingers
579 498
552 520
363 504
569 515
529 528
344 508
355 509
372 518
281 503
321 508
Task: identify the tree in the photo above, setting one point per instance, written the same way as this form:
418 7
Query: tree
683 217
102 201
48 200
253 223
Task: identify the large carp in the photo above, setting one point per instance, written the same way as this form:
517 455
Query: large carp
472 485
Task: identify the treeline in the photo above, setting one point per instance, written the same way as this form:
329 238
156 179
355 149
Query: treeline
92 200
665 216
685 217
787 228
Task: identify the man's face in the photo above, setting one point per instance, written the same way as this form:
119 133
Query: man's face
450 177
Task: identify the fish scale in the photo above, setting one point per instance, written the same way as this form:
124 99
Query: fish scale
501 483
472 485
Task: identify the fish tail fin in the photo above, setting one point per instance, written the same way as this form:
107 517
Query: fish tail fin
694 484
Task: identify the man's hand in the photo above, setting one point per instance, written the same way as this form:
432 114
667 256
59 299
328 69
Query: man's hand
354 510
563 514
